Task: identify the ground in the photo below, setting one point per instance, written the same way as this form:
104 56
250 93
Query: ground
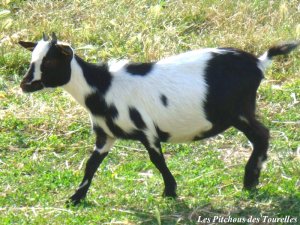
45 137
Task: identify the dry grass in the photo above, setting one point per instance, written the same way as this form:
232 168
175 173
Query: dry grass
45 138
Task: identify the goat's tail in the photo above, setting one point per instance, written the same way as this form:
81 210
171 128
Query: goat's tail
282 49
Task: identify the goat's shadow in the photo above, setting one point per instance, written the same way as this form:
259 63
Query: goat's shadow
263 203
179 212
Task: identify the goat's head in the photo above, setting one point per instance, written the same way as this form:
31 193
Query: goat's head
50 64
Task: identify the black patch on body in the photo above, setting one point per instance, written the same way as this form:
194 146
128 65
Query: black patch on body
162 135
112 112
232 78
118 132
115 129
139 69
96 104
164 100
96 75
98 107
136 118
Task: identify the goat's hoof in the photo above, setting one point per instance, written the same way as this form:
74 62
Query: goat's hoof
169 194
250 189
251 179
74 200
250 186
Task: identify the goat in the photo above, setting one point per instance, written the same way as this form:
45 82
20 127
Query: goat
182 98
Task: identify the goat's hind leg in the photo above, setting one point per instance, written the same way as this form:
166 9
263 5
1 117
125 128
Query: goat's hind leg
258 135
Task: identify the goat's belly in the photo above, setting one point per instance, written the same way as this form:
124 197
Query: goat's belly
185 130
188 136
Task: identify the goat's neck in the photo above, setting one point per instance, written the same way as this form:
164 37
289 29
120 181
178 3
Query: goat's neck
78 86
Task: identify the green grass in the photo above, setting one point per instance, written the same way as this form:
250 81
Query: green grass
45 137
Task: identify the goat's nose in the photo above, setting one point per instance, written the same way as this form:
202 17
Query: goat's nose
32 86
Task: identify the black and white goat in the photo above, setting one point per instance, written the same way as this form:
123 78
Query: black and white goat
182 98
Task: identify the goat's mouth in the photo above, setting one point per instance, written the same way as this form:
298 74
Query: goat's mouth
32 87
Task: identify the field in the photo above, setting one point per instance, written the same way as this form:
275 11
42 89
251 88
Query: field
46 139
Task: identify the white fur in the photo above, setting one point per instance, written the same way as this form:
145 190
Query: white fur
260 162
244 119
115 65
109 143
38 54
264 62
179 78
77 86
84 184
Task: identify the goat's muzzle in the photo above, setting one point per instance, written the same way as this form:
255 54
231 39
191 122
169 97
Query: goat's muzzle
32 86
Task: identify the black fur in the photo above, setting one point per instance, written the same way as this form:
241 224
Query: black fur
96 104
28 45
118 132
162 135
259 136
115 129
282 49
164 100
100 136
158 160
55 68
91 167
27 85
97 76
98 107
136 118
232 79
29 75
140 69
112 111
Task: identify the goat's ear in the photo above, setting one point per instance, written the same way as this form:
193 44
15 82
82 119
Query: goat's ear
28 45
65 49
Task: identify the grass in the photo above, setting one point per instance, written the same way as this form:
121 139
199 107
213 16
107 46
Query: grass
45 138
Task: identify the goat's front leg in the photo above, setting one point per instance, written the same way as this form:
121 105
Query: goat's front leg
157 158
102 147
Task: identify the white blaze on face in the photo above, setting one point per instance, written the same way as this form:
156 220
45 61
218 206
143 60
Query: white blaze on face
38 54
